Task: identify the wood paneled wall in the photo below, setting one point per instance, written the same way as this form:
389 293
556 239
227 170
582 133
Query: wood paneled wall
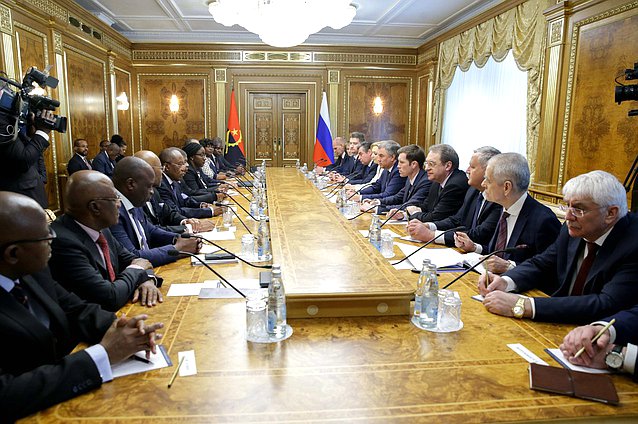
125 117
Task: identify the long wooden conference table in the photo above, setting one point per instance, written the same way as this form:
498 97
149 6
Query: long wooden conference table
354 355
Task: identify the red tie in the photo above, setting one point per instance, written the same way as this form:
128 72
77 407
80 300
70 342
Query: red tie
501 238
20 295
104 247
585 267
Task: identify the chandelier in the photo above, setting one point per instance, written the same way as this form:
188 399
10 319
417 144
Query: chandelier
283 23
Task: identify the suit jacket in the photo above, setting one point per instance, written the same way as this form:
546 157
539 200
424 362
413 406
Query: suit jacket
36 367
441 204
77 265
365 175
610 286
76 164
626 326
102 163
485 224
357 168
387 185
20 167
174 197
410 194
536 227
159 241
163 215
195 184
343 165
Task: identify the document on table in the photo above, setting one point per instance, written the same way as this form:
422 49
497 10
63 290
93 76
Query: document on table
364 233
194 289
560 358
216 235
130 366
526 354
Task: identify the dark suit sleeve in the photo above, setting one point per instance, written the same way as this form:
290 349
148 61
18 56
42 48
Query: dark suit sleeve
394 186
626 326
99 164
190 184
541 267
23 153
160 242
46 385
449 202
75 269
191 212
72 166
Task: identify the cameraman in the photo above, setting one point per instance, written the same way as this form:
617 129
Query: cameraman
21 161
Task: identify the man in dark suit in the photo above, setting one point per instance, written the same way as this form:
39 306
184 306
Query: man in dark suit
174 162
415 190
343 163
449 185
162 214
78 161
21 160
41 323
367 169
591 267
524 221
477 215
133 179
87 259
105 162
356 139
390 182
620 341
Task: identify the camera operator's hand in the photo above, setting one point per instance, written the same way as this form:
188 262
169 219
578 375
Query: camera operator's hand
44 121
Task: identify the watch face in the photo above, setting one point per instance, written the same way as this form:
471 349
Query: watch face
614 360
518 311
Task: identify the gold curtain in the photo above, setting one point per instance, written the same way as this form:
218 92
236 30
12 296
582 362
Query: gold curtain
520 29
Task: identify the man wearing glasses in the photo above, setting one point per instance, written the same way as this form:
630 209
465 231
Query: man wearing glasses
87 259
592 265
41 323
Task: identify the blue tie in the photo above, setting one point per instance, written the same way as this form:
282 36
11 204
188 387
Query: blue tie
137 219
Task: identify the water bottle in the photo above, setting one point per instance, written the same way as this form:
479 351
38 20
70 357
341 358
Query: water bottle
420 285
254 207
374 233
276 305
304 168
297 164
263 201
430 300
263 240
340 203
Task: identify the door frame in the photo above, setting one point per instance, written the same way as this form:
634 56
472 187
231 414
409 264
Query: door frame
245 88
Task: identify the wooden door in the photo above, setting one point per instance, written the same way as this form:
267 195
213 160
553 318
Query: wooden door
277 128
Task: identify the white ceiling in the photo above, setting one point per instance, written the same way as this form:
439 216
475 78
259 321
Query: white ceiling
380 23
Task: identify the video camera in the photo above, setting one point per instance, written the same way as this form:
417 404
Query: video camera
16 102
628 92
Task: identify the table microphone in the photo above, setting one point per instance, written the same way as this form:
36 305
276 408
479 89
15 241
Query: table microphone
242 208
357 192
175 252
508 250
430 242
400 208
234 213
365 211
188 235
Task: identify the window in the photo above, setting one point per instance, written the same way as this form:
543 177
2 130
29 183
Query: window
486 107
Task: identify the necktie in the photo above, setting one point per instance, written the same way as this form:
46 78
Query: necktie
104 247
137 220
477 211
585 267
501 238
20 295
86 162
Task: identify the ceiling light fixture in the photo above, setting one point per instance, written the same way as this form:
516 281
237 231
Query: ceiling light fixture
283 23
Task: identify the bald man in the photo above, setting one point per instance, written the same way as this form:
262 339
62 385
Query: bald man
41 323
133 179
87 259
105 162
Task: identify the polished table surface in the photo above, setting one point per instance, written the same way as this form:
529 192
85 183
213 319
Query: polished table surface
337 369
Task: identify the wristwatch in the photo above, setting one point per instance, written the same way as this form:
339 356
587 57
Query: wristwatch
615 358
519 308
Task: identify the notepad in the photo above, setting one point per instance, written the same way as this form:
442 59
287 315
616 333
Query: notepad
130 366
596 387
558 356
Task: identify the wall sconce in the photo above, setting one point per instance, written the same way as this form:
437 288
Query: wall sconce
377 106
173 105
122 101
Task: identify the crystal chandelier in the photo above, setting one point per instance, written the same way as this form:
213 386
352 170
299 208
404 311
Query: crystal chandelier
283 23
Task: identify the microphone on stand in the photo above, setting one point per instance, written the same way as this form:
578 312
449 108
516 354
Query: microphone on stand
242 194
175 252
365 211
400 208
336 189
357 192
242 208
508 250
234 213
430 242
188 235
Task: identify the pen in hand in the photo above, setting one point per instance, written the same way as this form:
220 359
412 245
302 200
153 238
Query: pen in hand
596 337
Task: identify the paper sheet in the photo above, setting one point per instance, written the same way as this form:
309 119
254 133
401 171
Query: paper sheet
560 358
219 235
526 354
132 366
189 366
364 233
439 257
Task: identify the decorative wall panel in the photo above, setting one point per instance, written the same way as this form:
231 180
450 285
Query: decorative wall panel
161 128
125 117
600 134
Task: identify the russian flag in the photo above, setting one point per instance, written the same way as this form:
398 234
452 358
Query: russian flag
323 154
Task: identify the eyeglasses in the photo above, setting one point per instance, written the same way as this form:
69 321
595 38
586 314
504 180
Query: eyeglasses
431 164
203 155
577 212
115 200
179 165
48 238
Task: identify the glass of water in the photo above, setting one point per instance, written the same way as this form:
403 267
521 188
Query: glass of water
227 217
248 246
256 317
450 314
387 245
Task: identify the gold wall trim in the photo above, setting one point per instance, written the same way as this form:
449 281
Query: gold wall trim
45 42
426 56
261 56
116 47
107 102
346 102
50 7
220 75
334 76
57 42
172 55
570 77
367 58
556 32
6 22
